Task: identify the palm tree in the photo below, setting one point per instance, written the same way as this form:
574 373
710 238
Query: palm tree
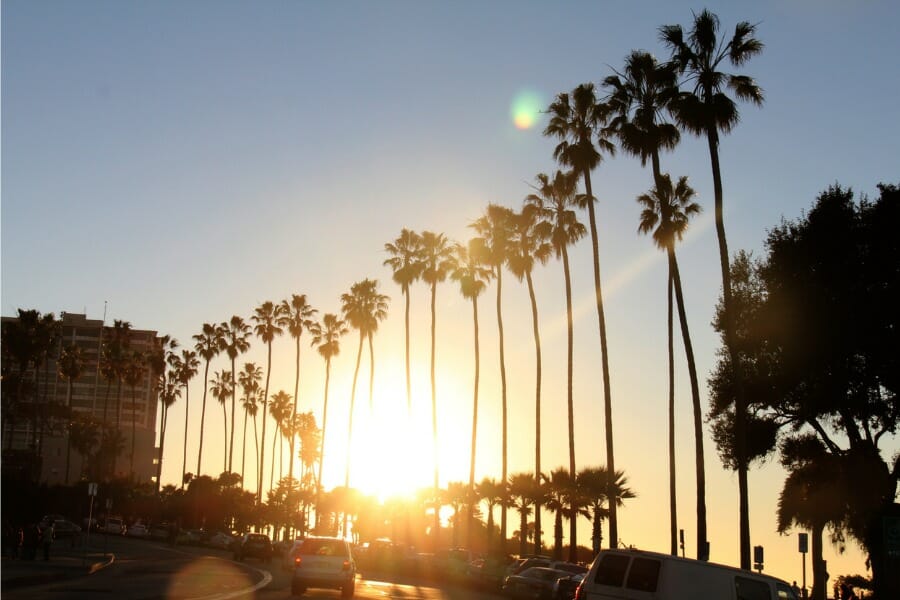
528 247
524 498
266 318
407 267
280 411
234 341
455 496
168 394
558 488
576 119
162 351
84 435
222 387
435 256
494 229
557 222
638 99
249 379
666 211
327 340
707 110
133 373
594 484
492 493
208 346
70 366
296 317
363 309
472 275
187 370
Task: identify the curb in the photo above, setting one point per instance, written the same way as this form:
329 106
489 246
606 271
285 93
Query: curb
59 575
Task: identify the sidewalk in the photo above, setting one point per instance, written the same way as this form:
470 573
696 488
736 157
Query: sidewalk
65 562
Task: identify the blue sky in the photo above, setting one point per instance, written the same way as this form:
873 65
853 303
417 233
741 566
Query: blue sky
187 161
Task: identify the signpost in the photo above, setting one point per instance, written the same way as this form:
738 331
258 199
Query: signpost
758 558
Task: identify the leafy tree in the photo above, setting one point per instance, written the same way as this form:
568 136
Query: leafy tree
706 110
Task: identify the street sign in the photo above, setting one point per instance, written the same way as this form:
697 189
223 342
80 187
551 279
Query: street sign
92 489
758 558
804 542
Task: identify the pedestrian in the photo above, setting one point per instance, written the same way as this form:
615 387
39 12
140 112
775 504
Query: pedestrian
795 588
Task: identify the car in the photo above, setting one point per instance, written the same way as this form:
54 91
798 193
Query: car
160 531
324 562
533 583
220 540
287 559
63 528
113 525
566 586
255 545
191 537
138 530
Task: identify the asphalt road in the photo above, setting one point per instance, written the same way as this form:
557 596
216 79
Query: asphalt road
148 570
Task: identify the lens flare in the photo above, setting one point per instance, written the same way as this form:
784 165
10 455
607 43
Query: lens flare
526 107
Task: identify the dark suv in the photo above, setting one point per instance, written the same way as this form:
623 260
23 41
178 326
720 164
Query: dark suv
255 545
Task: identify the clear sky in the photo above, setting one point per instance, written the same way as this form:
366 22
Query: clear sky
185 162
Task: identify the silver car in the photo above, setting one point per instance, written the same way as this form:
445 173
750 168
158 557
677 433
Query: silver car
324 562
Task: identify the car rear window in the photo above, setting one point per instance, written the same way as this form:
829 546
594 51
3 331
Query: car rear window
751 589
324 548
643 575
611 570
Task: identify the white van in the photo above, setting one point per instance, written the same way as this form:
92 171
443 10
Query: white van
639 575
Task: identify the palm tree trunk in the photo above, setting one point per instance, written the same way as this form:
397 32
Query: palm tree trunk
244 447
558 536
604 360
133 430
272 466
233 422
499 273
262 451
740 401
322 443
523 530
698 417
408 381
203 418
569 375
471 500
352 404
184 458
296 392
162 445
256 444
69 433
673 508
225 449
434 430
537 409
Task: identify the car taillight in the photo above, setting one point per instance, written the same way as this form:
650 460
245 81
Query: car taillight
579 592
345 566
297 561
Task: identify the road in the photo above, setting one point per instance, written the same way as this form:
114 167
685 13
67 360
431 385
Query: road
148 570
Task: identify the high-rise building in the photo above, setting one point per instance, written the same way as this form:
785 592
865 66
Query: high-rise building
126 405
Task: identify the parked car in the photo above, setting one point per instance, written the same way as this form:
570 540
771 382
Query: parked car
255 545
113 525
533 583
138 530
566 586
191 537
489 572
160 531
221 540
63 528
636 574
324 562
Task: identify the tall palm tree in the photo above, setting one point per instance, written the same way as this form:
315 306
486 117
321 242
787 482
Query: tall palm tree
707 110
407 267
280 411
70 366
234 341
363 308
594 484
529 247
576 119
327 340
187 370
666 211
558 488
222 388
208 345
266 318
162 349
435 256
638 101
249 379
472 274
556 221
492 493
168 394
494 229
523 497
133 373
296 316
